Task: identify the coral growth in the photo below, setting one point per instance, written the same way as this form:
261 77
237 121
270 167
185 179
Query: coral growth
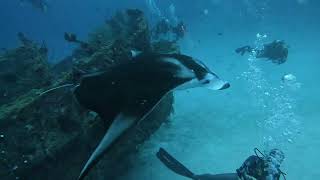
23 69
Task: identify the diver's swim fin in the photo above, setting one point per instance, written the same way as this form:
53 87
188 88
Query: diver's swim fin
171 163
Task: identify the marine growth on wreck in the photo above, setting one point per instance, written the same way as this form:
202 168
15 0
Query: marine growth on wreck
41 122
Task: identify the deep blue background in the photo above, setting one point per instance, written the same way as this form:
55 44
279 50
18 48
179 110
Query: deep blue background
81 17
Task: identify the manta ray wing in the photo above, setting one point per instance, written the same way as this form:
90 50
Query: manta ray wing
122 99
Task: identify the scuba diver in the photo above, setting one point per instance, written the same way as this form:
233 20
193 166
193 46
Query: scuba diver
276 51
164 27
179 30
255 167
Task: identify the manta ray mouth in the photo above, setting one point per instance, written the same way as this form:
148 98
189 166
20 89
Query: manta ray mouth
215 83
225 86
218 85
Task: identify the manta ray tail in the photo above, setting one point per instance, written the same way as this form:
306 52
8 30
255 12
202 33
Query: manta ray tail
117 128
55 88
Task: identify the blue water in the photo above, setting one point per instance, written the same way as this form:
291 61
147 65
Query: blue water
212 132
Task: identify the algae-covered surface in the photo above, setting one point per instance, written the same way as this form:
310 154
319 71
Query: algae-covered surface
23 69
17 105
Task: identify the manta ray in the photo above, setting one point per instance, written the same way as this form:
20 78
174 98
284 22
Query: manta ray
126 93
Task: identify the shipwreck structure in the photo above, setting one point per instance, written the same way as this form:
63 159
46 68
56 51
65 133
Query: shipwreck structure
46 134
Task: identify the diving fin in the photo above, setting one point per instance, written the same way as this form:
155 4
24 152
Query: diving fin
173 164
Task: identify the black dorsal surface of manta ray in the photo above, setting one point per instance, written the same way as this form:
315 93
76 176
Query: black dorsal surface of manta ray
126 93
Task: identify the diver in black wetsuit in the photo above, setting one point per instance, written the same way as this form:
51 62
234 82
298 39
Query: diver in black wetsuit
276 51
266 167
